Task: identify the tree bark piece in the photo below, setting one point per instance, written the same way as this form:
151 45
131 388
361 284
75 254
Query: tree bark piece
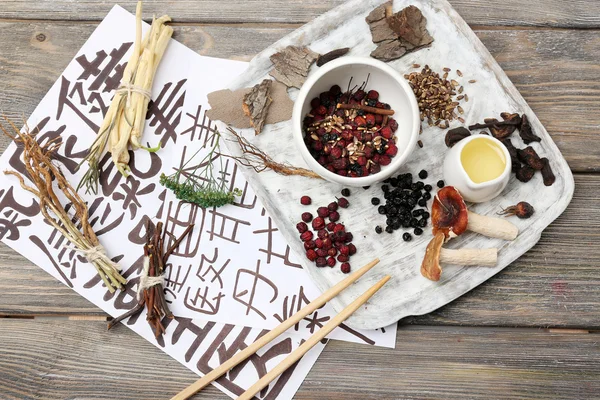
256 104
291 65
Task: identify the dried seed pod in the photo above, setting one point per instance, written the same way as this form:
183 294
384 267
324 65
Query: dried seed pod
547 173
332 55
525 173
512 150
522 210
526 132
529 157
455 135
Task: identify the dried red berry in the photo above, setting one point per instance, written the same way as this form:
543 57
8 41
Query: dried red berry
333 206
359 95
321 110
332 252
331 261
311 255
336 152
321 262
316 102
360 121
393 124
345 267
305 200
319 243
309 244
373 95
392 150
323 212
322 234
344 250
386 132
340 164
349 236
378 119
343 202
384 160
370 118
362 161
318 223
352 249
302 227
339 228
334 216
307 217
327 243
330 226
342 258
321 252
308 235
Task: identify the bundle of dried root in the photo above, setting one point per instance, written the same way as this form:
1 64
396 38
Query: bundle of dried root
260 161
42 172
124 122
150 289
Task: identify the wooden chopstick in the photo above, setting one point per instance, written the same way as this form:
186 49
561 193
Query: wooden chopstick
314 339
285 325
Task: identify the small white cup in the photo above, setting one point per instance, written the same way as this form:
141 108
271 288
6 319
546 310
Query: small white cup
455 174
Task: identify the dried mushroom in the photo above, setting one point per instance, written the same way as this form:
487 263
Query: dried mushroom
430 267
397 34
449 213
291 65
256 104
455 135
525 173
514 158
526 132
528 156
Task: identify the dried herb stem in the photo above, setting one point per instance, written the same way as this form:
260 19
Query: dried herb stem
43 173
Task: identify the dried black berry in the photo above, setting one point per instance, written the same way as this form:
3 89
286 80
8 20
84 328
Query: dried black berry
407 237
406 223
425 215
427 188
420 185
440 184
375 201
392 211
414 223
422 203
385 188
427 196
394 182
417 212
382 210
418 231
422 222
412 202
345 192
366 187
378 229
423 174
413 186
389 229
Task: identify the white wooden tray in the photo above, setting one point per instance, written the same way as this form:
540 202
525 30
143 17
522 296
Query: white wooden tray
408 293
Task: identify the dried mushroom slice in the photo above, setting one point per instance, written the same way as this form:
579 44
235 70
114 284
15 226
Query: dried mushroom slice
256 104
449 213
526 132
430 267
291 65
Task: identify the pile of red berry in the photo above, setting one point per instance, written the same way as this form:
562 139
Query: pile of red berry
332 243
348 133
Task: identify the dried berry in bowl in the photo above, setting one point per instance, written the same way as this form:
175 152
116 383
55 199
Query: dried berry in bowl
350 133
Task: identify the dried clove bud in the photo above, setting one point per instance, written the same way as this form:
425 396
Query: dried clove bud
522 210
455 135
529 157
332 55
525 173
547 173
526 133
512 150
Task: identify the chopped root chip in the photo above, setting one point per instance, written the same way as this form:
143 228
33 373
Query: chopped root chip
291 65
256 104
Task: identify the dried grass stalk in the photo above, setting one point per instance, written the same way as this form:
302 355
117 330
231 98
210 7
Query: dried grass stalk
43 173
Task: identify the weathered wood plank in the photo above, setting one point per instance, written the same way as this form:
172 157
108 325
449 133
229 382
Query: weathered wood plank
554 13
556 284
60 359
556 71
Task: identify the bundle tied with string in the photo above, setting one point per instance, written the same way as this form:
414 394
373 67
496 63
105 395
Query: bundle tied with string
123 124
150 291
74 224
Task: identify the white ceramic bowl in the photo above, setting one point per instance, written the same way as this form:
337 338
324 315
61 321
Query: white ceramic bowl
393 89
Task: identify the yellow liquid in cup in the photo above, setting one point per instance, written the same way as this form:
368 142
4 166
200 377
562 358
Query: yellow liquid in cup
483 160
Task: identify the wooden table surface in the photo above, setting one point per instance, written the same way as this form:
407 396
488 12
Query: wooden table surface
532 331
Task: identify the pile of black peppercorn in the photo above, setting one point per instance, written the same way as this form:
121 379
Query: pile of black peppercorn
402 196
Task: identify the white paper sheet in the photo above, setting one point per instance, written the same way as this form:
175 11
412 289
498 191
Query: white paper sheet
235 267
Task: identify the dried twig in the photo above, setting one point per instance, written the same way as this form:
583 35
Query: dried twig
42 172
